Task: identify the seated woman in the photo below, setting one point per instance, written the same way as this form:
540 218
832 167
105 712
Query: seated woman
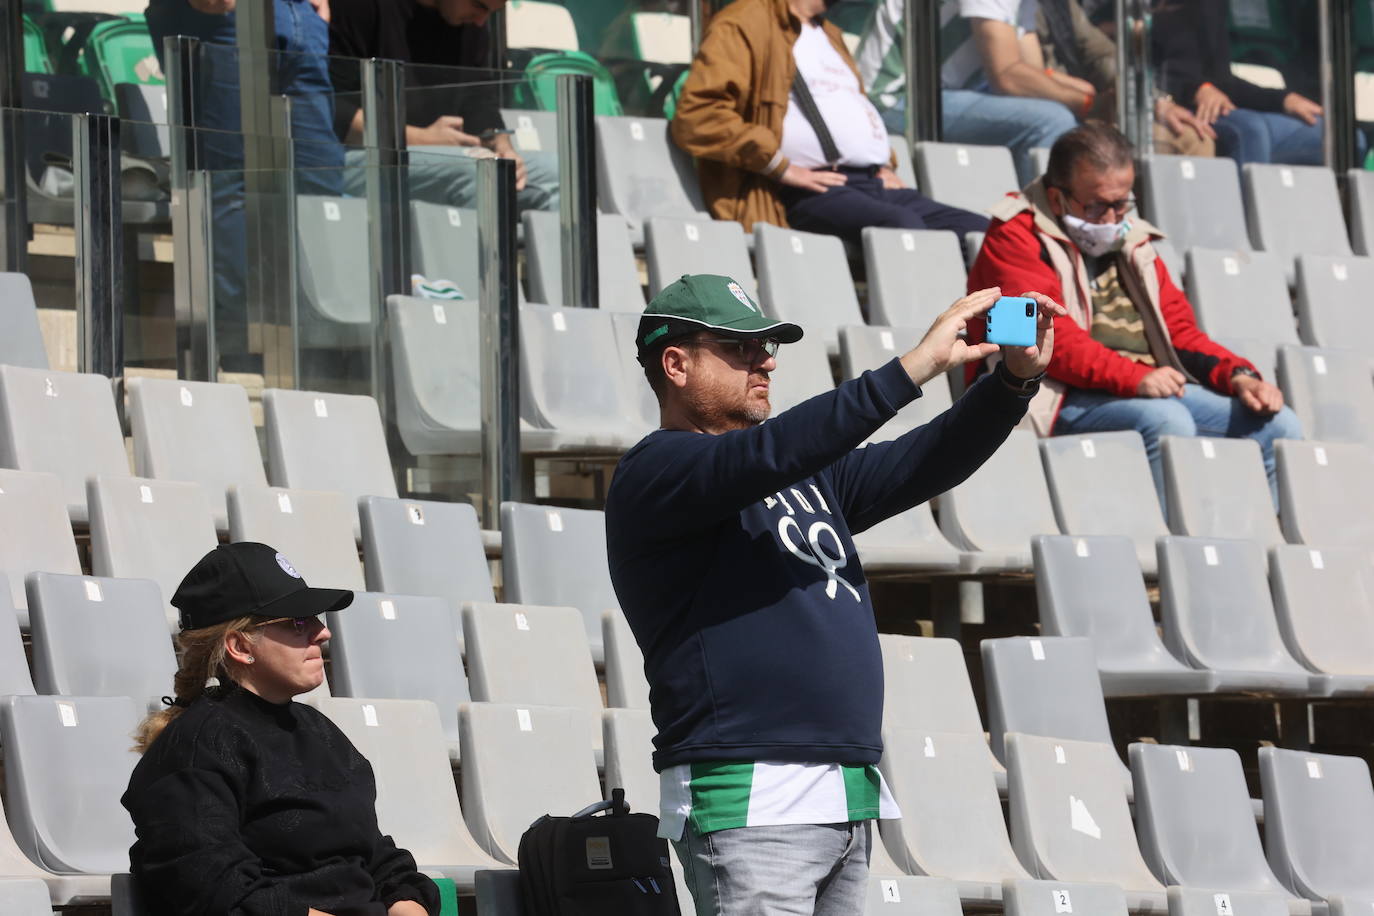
245 802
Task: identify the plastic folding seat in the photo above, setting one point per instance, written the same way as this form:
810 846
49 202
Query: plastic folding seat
906 168
1326 612
1197 201
617 276
322 441
420 547
1331 302
626 685
400 647
533 131
35 532
908 894
1046 686
926 688
335 269
539 85
994 531
1093 587
67 762
100 637
444 245
804 277
951 825
149 529
913 275
416 802
1101 484
557 558
803 371
1330 391
1218 614
64 423
520 763
24 897
143 119
973 243
1040 158
863 347
1049 778
1173 260
1318 823
907 542
1262 353
196 431
1217 488
1241 293
1293 210
674 246
1050 898
1361 190
1196 824
1326 493
971 177
625 326
641 173
312 529
14 667
1190 901
21 338
564 385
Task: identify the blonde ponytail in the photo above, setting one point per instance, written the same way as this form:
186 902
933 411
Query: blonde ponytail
202 655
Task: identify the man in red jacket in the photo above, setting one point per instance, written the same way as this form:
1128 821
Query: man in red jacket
1129 354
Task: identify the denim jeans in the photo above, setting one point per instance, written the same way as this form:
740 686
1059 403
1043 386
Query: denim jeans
444 175
791 870
985 119
302 38
1199 412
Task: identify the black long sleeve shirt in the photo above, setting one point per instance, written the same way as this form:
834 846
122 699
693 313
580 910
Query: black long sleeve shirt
250 808
1192 46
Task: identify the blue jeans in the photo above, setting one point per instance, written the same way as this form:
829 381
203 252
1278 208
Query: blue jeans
1199 412
1270 136
985 119
792 870
444 175
302 41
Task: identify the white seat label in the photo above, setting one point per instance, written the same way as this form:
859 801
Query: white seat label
1231 266
1209 553
692 231
559 322
440 314
521 621
929 750
1037 650
1314 769
636 130
1187 170
67 713
388 609
1208 449
1320 454
1317 561
331 211
416 514
1319 364
369 715
1080 547
1286 176
455 217
1089 450
145 493
555 521
961 156
186 399
93 591
526 137
797 246
908 241
1223 904
885 338
284 503
1059 754
48 389
321 408
891 893
1062 901
1340 271
522 716
1185 762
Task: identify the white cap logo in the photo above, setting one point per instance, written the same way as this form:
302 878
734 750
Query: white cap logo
286 567
738 292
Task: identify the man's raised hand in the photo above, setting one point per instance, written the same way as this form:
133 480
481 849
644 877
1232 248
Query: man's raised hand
943 348
1028 362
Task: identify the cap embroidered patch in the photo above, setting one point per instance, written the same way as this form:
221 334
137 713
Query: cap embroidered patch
287 567
738 292
655 334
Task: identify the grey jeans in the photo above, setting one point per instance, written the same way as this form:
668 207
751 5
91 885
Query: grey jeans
791 870
444 175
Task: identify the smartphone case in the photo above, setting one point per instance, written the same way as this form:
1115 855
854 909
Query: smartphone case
1008 324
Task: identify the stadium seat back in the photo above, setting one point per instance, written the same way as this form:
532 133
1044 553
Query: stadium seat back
143 113
421 547
1245 294
1050 898
14 666
804 278
1361 190
35 532
864 347
906 165
626 327
675 245
24 896
961 175
120 51
1196 200
906 542
533 131
895 258
21 338
641 173
626 685
444 247
908 895
1325 493
1324 598
618 284
976 515
334 267
628 735
1330 391
1293 210
312 529
540 86
1218 488
1331 310
1173 260
803 372
436 365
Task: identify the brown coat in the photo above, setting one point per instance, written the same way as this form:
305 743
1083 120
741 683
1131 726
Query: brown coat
731 110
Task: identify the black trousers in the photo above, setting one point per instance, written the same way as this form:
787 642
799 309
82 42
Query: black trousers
863 201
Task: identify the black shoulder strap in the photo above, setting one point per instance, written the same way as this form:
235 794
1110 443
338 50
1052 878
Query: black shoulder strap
829 150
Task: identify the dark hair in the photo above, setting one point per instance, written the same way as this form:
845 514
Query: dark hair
652 360
1101 146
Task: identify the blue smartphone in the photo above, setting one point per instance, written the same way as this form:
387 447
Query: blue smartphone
1011 321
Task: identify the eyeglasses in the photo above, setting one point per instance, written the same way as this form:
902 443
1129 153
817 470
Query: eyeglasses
1096 211
749 350
300 624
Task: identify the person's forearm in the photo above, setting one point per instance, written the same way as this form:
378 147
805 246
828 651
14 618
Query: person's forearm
1021 79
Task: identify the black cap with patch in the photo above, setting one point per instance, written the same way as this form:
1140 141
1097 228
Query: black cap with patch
249 579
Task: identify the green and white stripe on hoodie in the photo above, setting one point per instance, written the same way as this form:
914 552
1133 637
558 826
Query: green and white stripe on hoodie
724 794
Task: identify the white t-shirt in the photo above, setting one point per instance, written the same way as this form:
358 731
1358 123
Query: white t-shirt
854 123
963 67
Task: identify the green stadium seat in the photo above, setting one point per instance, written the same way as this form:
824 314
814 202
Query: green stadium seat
540 87
120 51
36 59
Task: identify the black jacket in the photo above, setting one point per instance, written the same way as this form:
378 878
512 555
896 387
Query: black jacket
1191 46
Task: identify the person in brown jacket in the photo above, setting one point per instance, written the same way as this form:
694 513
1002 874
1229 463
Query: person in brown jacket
822 163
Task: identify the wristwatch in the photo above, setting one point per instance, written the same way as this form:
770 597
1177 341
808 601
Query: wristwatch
1246 370
1023 386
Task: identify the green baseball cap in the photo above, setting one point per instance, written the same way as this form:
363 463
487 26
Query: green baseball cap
700 302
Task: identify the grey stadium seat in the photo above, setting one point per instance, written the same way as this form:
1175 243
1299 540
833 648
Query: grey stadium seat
1189 901
863 347
1046 686
641 173
1196 823
1326 493
1241 294
1196 200
1049 898
14 667
1040 158
951 824
400 647
626 328
1325 608
1318 822
1331 310
67 761
913 275
804 277
21 338
1218 614
1173 260
1330 391
973 243
674 246
906 169
995 531
24 897
1293 210
419 547
312 529
1217 488
626 686
1093 587
100 637
1260 352
557 558
520 763
907 542
1361 189
60 890
926 689
531 656
335 270
895 896
62 422
1070 820
149 529
961 175
803 371
444 246
143 110
1101 484
618 283
416 802
196 431
35 532
533 131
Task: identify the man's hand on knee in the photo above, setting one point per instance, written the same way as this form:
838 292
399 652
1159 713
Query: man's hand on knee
1164 382
1257 395
815 180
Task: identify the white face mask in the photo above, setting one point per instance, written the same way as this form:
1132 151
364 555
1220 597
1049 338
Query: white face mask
1096 239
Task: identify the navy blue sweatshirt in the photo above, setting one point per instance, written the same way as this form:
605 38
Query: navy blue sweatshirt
733 561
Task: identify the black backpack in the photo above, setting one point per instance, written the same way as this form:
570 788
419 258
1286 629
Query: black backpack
594 866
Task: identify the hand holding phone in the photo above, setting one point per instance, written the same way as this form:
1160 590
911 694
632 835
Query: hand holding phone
1011 321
